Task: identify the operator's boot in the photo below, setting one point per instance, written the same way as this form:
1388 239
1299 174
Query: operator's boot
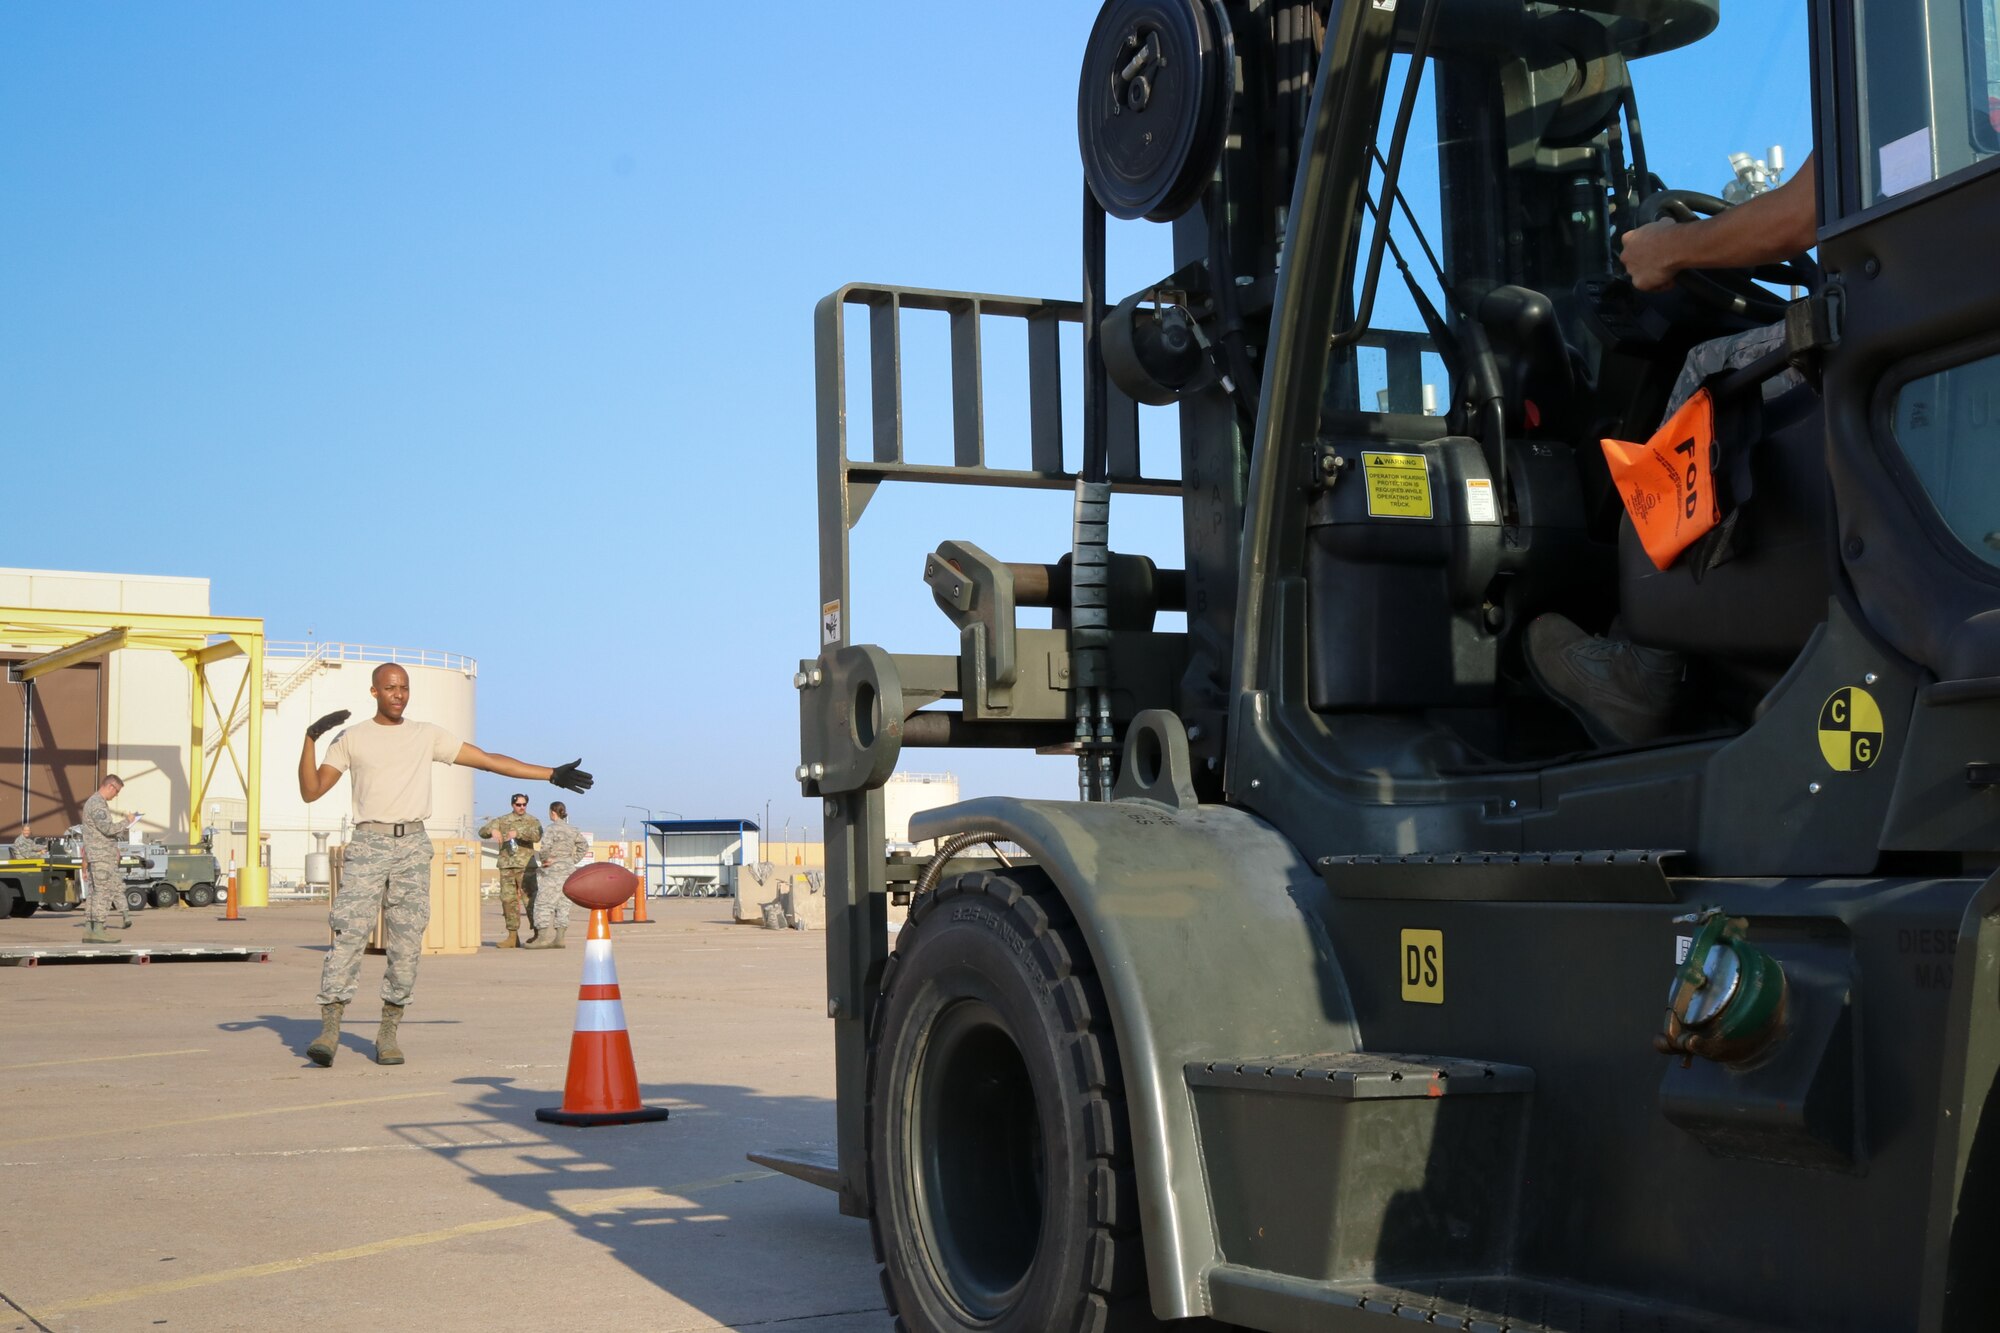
387 1052
94 935
1622 693
513 941
544 939
328 1041
560 932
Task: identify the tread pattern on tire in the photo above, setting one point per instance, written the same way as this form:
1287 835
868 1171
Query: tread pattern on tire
1117 1301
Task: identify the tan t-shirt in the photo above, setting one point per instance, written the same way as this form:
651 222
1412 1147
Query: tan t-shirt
390 767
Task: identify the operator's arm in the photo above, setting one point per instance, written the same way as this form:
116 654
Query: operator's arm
1760 230
567 776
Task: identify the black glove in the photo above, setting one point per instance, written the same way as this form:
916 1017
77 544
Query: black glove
571 778
326 724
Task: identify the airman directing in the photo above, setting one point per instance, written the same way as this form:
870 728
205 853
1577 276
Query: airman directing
386 870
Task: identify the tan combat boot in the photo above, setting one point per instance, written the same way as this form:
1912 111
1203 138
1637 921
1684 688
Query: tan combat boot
544 939
513 941
387 1052
560 932
328 1041
93 935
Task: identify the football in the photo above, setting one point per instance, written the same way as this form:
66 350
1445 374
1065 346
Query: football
600 884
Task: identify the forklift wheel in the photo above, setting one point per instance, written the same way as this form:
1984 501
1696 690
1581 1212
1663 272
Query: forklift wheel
999 1165
135 899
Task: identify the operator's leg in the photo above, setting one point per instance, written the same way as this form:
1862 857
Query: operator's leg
364 875
1625 693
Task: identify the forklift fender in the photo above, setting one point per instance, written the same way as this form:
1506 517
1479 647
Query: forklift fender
1208 932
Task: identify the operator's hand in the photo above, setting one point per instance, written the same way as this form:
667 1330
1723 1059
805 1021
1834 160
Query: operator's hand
571 778
326 724
1651 255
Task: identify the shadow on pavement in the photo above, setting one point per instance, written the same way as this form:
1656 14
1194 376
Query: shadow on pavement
357 1033
667 1199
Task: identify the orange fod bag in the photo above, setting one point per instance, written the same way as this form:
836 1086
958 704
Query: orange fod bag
1668 483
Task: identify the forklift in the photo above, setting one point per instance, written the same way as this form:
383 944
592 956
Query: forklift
1359 983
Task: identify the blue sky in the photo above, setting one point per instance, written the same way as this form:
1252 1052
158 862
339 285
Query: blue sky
487 328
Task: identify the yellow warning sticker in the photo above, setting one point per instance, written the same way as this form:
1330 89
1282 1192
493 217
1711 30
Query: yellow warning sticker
1399 485
1423 966
1850 729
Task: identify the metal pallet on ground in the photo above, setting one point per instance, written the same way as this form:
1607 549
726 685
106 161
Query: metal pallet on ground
35 955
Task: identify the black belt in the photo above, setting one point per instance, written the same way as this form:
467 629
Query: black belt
393 830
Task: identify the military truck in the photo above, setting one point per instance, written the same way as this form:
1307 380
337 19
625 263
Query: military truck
1359 984
163 874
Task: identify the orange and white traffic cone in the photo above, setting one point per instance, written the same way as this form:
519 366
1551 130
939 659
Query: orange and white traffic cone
603 1084
231 892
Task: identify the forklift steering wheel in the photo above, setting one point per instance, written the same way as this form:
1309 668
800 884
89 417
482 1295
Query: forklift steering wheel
1734 291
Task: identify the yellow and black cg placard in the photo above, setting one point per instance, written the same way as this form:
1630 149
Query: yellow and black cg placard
1850 730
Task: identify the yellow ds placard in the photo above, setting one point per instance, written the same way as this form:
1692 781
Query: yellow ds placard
1422 963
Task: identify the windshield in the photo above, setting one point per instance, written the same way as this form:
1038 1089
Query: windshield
1520 165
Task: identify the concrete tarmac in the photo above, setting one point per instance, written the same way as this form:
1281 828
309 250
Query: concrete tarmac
170 1158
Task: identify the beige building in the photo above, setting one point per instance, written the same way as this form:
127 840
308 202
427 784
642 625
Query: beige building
129 712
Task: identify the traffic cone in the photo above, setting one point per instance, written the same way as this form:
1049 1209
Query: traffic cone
638 915
603 1084
230 912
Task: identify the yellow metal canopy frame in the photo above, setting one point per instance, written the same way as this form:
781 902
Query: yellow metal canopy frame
199 642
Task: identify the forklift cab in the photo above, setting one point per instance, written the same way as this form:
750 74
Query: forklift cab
1414 543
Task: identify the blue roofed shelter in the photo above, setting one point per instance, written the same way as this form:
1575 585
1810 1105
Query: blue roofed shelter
692 857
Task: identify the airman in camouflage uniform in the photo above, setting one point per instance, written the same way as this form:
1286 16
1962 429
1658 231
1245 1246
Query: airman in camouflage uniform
101 831
563 845
519 832
27 847
386 869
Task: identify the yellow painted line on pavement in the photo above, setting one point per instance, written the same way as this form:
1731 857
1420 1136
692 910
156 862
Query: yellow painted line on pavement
150 1125
99 1059
610 1203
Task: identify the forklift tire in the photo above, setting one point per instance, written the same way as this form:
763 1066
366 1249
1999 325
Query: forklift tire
165 895
11 901
200 895
135 900
999 1158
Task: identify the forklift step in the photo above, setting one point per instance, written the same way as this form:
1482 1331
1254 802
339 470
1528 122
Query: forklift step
35 955
1480 1304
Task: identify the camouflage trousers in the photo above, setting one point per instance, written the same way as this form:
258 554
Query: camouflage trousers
107 892
512 895
387 875
551 903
